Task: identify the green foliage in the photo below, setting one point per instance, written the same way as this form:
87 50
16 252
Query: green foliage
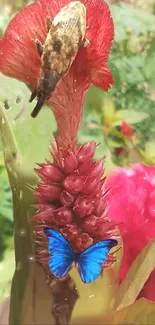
6 272
103 122
6 239
8 10
149 64
25 142
4 20
6 197
127 19
132 99
126 309
30 134
137 276
132 62
6 215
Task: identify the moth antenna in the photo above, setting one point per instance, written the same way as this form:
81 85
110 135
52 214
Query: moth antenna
40 47
33 95
38 107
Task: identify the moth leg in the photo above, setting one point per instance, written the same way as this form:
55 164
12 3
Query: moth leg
40 103
40 47
49 22
33 95
85 43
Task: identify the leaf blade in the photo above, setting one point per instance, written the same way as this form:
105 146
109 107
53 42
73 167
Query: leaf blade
142 312
136 277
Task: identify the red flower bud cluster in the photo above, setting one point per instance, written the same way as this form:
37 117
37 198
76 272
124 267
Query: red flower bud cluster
71 199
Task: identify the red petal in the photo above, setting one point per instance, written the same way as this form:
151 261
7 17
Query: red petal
126 129
18 53
100 30
102 78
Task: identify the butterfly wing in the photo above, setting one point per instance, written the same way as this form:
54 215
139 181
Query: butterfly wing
90 261
61 253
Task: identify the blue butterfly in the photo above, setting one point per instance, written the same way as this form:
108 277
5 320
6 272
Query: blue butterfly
89 262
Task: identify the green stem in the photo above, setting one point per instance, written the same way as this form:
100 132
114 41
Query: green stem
21 198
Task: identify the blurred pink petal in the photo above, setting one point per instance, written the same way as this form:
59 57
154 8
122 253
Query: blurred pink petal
132 204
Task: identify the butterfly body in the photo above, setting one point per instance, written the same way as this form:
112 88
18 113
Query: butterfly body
89 262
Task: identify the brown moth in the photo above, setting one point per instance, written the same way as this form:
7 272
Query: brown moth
65 37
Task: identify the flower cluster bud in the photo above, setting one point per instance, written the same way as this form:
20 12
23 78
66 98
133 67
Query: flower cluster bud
71 198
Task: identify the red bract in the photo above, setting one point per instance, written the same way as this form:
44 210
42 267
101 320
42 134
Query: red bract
18 55
132 204
67 204
19 58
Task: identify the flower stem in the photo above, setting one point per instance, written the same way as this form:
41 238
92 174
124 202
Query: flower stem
29 293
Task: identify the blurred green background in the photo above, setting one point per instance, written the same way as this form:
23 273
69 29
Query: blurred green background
122 121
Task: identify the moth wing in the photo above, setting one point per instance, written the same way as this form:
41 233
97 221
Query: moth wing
90 261
69 24
61 253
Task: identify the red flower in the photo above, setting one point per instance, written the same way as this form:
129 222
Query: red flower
132 204
126 129
72 200
18 55
19 58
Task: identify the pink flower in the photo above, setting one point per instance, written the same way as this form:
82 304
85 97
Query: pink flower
132 204
71 199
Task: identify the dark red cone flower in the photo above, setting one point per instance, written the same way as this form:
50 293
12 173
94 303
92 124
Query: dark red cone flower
132 207
19 57
71 199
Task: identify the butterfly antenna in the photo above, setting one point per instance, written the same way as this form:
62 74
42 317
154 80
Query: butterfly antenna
38 107
117 250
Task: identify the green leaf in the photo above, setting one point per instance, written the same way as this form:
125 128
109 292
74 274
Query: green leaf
136 276
115 143
32 135
150 150
142 312
108 110
115 70
149 65
129 116
118 135
135 19
7 267
130 70
6 198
